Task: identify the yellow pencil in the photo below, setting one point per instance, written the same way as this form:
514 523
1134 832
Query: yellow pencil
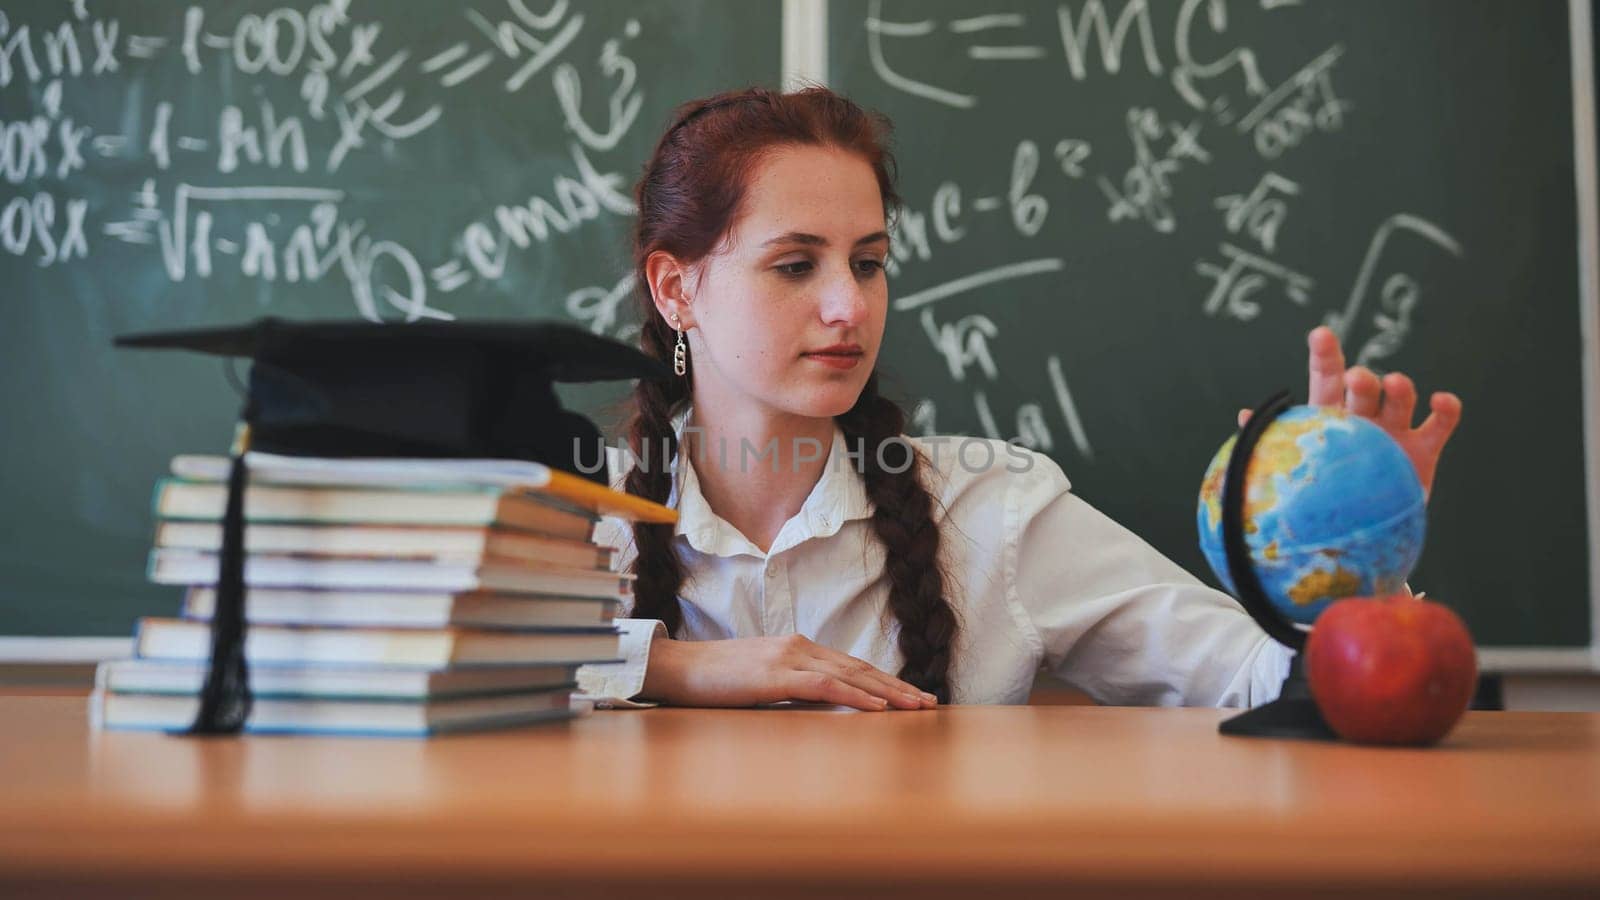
593 495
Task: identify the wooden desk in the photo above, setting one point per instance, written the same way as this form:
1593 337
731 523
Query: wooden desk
1003 801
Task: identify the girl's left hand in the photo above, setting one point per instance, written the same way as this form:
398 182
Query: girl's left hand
1390 403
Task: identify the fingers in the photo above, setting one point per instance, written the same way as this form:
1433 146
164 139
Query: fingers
1244 416
807 670
1399 402
1327 367
1363 392
863 675
1441 421
820 687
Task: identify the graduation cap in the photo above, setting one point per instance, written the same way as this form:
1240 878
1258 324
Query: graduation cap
349 389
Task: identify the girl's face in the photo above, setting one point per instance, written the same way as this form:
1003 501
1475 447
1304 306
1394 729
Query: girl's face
789 313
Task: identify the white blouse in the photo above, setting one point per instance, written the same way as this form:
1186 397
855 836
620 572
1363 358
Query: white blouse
1038 579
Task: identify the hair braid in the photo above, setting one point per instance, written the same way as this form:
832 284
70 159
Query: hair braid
902 518
653 441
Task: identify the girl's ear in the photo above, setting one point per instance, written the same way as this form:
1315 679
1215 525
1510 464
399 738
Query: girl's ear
669 288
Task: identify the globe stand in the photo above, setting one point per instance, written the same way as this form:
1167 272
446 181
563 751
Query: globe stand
1294 714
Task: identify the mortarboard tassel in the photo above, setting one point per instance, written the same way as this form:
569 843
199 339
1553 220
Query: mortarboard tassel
225 698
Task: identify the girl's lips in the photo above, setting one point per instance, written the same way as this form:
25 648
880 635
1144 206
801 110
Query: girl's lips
836 360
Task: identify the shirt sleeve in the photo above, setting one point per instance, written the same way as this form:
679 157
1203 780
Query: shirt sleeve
1117 619
612 685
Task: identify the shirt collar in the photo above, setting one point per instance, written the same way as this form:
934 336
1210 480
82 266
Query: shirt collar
839 496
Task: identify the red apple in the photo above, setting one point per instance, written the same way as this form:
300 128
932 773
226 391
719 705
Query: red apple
1391 670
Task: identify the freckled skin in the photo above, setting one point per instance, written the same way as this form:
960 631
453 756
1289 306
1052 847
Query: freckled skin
758 307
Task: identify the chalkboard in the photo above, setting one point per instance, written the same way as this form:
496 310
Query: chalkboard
205 163
1123 217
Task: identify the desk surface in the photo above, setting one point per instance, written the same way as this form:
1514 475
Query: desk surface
674 802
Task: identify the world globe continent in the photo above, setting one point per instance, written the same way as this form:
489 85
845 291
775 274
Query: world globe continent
1333 508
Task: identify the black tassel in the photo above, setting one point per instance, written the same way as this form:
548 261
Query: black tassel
225 699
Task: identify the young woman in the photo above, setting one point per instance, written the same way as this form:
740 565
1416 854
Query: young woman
821 554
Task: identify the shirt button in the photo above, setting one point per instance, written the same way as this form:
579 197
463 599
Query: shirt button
824 521
771 574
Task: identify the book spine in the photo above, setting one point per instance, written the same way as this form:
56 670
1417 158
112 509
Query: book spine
139 638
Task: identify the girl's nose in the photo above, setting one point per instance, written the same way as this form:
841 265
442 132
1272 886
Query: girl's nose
844 301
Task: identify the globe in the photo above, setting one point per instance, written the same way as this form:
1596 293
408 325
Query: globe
1333 508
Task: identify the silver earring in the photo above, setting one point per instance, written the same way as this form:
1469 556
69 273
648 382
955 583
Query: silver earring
680 353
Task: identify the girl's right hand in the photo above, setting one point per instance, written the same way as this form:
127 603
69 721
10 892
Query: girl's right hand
749 671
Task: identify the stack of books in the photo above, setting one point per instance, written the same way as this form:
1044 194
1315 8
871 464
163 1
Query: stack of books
382 596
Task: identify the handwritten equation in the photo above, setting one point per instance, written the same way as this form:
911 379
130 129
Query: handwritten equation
1206 104
252 189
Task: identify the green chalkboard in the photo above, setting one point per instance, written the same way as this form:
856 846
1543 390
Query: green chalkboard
203 163
1123 218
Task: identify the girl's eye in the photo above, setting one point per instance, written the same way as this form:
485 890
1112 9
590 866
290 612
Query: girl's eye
863 267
